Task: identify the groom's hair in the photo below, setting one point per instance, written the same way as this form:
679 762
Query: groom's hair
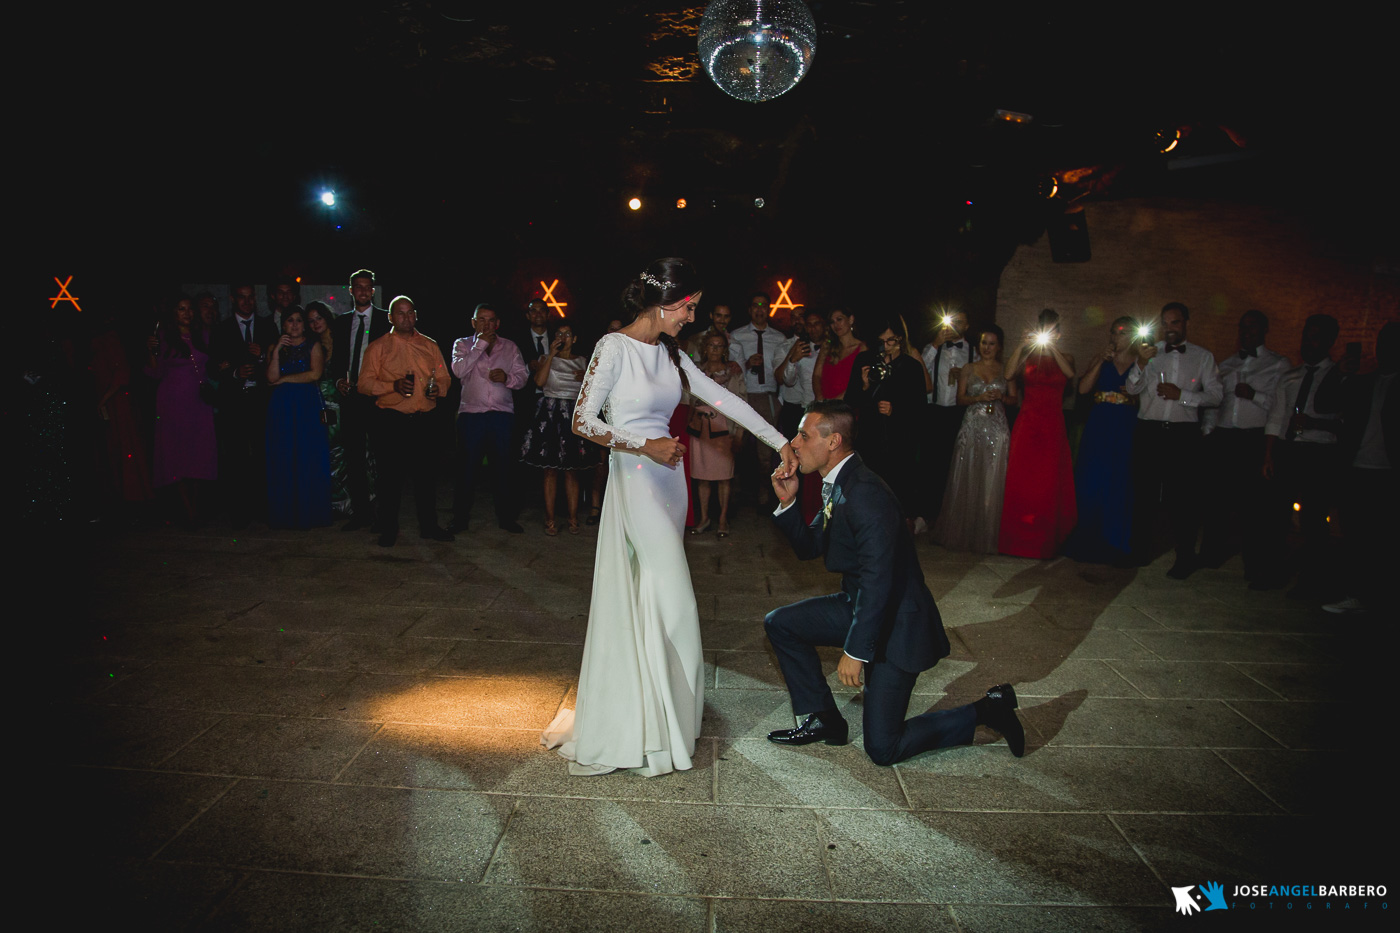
838 417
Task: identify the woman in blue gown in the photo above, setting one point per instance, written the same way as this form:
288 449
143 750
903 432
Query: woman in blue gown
298 451
1103 476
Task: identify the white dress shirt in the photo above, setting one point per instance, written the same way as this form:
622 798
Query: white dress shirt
795 388
952 356
1286 399
1261 373
743 343
1193 371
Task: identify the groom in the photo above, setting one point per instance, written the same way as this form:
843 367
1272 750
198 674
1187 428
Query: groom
884 617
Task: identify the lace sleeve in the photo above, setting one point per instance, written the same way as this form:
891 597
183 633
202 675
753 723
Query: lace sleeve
591 410
730 405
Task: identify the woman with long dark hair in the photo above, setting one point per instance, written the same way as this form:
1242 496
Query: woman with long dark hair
642 687
185 449
298 451
550 443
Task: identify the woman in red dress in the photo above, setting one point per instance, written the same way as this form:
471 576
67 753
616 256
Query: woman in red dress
1038 509
832 373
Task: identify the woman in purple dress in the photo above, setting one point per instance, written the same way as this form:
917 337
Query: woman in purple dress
185 450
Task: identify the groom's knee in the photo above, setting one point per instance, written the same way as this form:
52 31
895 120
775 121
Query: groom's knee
777 621
881 752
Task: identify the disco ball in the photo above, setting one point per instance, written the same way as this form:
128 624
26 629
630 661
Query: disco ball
757 49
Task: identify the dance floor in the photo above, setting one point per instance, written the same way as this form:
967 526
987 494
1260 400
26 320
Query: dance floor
303 731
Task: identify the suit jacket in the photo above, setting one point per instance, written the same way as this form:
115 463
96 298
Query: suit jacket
1351 396
339 365
893 615
226 345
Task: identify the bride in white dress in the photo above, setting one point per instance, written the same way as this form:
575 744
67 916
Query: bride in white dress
641 691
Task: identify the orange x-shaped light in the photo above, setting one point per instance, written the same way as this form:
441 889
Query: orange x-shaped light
783 300
63 294
549 298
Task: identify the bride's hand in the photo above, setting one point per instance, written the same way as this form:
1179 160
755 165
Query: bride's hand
789 465
666 451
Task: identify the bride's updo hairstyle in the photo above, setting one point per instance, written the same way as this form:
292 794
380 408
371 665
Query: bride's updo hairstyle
665 282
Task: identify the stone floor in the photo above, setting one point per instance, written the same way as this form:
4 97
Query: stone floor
304 731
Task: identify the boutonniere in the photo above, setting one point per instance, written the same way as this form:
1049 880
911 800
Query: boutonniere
826 512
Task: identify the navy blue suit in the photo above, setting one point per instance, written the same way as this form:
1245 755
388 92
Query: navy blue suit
884 615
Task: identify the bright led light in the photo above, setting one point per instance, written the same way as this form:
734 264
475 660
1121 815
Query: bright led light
947 320
680 203
328 198
1042 338
635 204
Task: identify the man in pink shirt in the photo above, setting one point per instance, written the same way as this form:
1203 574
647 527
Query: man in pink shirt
490 368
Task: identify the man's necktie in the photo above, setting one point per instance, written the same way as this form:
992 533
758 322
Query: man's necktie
1304 389
539 345
955 346
247 330
1178 347
761 378
826 502
355 346
1251 352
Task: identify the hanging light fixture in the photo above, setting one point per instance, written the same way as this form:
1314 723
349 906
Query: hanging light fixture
756 50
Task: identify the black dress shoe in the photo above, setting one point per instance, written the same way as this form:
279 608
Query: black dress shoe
388 538
459 527
356 523
1182 569
512 527
436 534
826 727
997 710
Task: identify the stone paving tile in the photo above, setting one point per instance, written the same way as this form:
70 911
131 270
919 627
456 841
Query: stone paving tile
733 634
749 606
274 747
360 618
1316 681
226 644
755 771
1160 723
737 584
368 831
1227 646
614 845
1304 782
738 915
226 688
1227 618
1022 858
992 918
1073 614
139 894
545 598
1081 779
513 661
755 713
501 625
1210 680
1307 725
502 761
381 654
449 596
1189 849
1033 638
488 702
176 607
130 814
277 901
109 735
758 670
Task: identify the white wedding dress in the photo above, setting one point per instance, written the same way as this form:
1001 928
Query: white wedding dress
641 691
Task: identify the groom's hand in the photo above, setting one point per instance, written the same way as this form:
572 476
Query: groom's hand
784 487
848 670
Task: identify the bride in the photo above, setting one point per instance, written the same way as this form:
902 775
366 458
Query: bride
641 691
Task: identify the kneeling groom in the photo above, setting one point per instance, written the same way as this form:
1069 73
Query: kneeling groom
884 617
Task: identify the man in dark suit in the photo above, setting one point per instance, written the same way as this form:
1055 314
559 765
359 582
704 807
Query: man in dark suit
238 349
884 617
351 333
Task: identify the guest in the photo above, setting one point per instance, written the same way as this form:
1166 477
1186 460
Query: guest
353 332
319 320
298 452
944 359
1103 479
760 348
711 454
404 373
1038 508
1302 457
550 442
1370 413
207 315
186 452
238 354
1234 447
832 372
971 516
795 376
888 392
491 369
719 324
1173 380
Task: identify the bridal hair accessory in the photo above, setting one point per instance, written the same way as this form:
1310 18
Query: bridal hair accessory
650 279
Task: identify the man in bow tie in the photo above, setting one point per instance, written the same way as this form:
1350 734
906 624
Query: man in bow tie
944 359
1234 447
1173 380
884 618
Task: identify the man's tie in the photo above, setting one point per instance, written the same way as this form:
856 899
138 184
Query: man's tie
1178 347
247 330
539 345
356 345
826 500
1251 352
1301 407
955 346
761 378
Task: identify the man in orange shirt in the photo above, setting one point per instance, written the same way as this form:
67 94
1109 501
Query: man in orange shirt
405 374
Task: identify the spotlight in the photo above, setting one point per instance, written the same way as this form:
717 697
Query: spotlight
758 203
328 198
635 204
680 203
1297 506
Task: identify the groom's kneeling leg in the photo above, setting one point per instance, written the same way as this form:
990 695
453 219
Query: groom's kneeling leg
889 737
794 631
